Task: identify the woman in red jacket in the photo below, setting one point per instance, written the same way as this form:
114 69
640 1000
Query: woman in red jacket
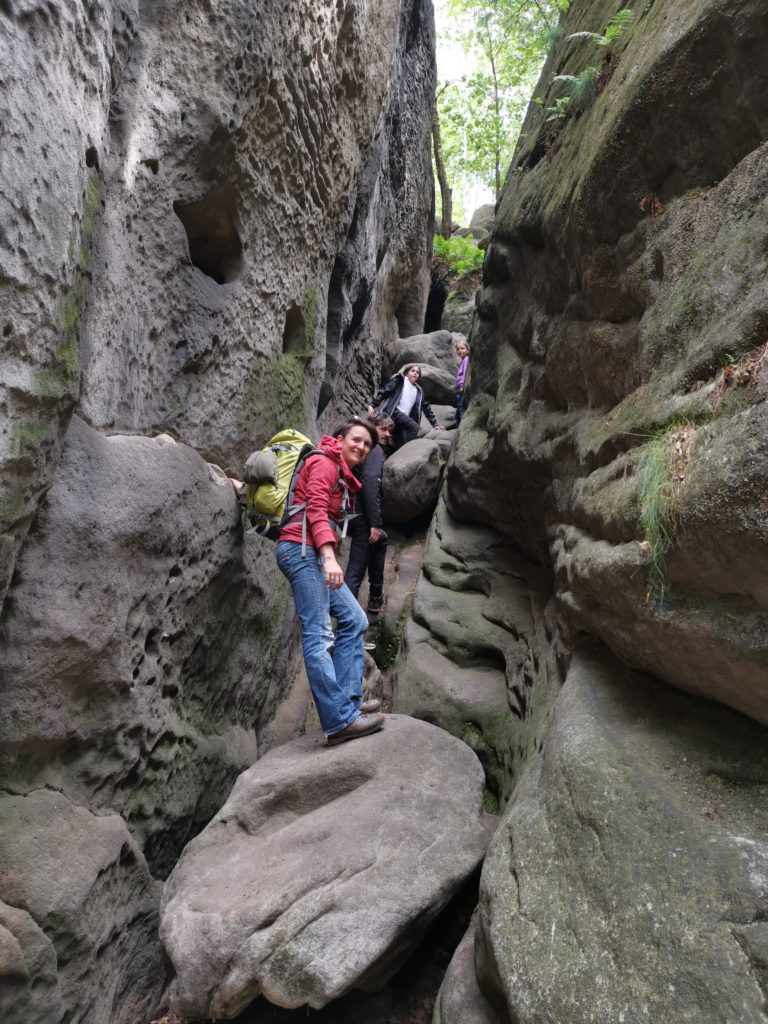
318 585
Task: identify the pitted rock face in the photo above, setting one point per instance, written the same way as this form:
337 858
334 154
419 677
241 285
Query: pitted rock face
623 298
323 869
137 654
233 209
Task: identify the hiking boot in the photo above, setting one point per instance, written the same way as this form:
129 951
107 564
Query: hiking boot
368 707
374 605
362 726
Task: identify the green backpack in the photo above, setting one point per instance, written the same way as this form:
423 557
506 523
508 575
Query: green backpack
271 476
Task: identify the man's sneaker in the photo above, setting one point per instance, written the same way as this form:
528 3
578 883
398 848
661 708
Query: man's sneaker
369 706
363 725
374 605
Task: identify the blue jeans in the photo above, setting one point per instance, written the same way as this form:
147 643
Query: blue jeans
459 405
336 680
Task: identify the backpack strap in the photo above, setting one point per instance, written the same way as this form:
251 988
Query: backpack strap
292 509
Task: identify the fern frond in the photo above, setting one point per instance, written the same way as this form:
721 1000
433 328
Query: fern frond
591 36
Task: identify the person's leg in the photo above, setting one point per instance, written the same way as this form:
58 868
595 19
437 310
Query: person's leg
376 561
459 405
406 429
313 602
358 555
348 651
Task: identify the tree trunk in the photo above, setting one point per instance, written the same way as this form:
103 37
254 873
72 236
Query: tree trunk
446 192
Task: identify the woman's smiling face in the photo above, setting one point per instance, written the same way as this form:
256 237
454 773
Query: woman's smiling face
355 446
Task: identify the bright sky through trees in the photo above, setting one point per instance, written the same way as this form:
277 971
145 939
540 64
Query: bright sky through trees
489 55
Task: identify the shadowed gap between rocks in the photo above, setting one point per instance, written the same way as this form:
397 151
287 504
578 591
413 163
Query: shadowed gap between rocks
409 998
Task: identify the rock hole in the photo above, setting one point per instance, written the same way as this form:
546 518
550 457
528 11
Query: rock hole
170 690
295 331
175 571
8 330
211 224
183 116
238 62
92 158
152 164
151 645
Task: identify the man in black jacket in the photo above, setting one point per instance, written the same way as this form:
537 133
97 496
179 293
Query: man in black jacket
368 542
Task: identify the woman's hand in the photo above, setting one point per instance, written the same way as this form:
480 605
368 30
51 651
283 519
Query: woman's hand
334 577
371 411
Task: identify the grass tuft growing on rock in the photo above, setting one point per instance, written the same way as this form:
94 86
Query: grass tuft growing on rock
662 476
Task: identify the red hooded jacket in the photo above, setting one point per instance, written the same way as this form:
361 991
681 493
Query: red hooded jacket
318 486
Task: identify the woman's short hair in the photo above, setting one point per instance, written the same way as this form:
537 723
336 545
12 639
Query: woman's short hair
357 421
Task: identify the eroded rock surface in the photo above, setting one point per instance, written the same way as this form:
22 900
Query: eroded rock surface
411 480
323 869
78 912
233 209
460 999
477 655
628 878
134 662
435 349
626 273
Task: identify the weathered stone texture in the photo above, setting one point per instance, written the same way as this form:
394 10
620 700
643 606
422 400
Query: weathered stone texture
81 908
230 206
627 268
478 656
210 213
138 652
323 870
411 480
628 879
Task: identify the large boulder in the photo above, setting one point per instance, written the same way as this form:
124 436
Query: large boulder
460 999
439 386
433 349
481 222
323 869
142 649
458 312
138 654
78 915
628 878
411 480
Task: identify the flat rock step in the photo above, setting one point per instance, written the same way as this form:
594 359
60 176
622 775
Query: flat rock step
323 870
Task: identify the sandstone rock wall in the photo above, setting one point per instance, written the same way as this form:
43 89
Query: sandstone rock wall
212 216
227 209
618 361
616 439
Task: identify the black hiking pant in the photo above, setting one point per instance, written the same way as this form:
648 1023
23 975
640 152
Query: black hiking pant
364 556
406 429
